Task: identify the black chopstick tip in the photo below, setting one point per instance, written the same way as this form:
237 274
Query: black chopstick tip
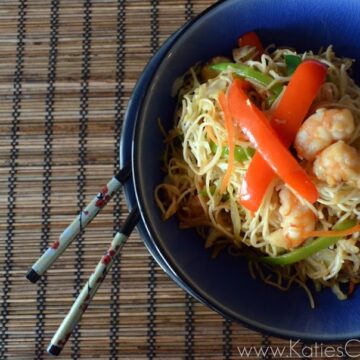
54 350
33 276
124 174
130 222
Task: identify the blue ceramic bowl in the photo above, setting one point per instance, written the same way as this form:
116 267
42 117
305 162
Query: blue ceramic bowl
225 284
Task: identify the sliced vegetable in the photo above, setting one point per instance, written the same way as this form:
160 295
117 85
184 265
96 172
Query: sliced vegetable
251 39
292 62
270 100
297 99
286 120
309 249
207 72
250 74
209 130
214 147
245 85
204 191
255 125
253 186
318 233
240 153
231 139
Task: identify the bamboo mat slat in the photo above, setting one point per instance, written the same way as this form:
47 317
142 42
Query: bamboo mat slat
67 69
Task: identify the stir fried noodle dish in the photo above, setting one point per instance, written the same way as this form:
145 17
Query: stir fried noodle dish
263 160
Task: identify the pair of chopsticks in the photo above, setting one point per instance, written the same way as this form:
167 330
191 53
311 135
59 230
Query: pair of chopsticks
97 277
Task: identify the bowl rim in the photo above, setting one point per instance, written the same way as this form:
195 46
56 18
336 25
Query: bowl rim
155 248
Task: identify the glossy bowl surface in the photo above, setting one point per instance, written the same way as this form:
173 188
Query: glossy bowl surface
225 284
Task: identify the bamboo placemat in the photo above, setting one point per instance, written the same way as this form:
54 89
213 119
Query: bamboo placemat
67 69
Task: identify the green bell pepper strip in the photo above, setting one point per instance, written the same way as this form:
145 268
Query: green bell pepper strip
240 154
224 197
213 148
308 249
204 192
270 100
250 74
292 62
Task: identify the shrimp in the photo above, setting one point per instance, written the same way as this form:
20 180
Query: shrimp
296 218
338 163
322 129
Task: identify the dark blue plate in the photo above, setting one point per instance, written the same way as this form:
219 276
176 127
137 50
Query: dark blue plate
225 284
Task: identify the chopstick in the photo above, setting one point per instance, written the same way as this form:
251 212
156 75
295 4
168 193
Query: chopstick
89 290
78 225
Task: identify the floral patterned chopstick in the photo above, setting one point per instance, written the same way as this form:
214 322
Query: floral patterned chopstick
78 225
89 290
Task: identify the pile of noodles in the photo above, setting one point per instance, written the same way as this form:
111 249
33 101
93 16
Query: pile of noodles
194 171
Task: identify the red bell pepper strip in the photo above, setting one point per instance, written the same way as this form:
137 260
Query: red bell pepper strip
245 85
251 39
297 99
255 125
286 121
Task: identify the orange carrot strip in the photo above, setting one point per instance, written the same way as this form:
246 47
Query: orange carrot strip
231 140
332 233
